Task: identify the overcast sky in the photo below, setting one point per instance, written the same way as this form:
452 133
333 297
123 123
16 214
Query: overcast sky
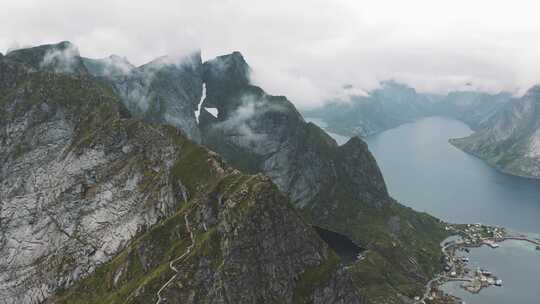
306 49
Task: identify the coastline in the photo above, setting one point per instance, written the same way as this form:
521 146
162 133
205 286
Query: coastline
456 268
452 142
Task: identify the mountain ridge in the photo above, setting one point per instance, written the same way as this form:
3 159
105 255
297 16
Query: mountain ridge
121 160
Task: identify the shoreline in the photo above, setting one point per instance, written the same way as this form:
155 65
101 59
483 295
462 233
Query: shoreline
456 268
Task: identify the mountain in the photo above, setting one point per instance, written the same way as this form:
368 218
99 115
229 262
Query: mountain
100 207
387 107
473 108
59 58
510 140
338 188
394 104
106 201
166 90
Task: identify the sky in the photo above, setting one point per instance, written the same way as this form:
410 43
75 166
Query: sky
307 50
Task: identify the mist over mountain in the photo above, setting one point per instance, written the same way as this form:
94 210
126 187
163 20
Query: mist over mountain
395 104
510 139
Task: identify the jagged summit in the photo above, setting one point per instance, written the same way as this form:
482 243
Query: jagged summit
62 57
227 72
165 90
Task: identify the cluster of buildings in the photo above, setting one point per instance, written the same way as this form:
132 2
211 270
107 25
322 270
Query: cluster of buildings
478 234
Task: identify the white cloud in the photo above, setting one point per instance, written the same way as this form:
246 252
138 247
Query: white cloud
306 49
62 60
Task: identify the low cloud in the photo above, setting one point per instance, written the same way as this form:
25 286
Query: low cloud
242 122
135 83
115 65
307 50
63 60
238 123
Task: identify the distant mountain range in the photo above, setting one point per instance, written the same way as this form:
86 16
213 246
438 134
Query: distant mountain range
394 104
507 129
510 139
110 192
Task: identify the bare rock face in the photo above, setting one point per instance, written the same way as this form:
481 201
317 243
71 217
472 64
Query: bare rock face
244 245
73 192
510 141
167 90
96 207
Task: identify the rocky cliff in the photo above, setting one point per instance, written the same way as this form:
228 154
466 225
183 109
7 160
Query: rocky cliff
166 90
339 188
510 140
99 207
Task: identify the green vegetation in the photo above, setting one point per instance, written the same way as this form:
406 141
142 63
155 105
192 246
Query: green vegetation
315 277
139 269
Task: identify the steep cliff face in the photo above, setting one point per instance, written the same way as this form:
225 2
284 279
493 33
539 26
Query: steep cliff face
510 140
73 176
95 205
166 90
339 188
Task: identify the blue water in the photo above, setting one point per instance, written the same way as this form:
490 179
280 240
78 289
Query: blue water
422 170
516 263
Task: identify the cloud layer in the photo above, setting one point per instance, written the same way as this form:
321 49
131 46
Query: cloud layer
306 49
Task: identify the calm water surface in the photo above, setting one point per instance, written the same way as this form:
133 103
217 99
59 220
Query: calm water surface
423 171
517 263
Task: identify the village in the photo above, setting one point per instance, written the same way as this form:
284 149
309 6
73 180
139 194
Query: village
456 266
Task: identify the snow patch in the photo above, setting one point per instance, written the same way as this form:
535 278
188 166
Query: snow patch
198 111
213 111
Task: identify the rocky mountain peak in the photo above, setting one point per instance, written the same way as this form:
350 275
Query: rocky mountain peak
355 143
231 69
165 90
61 57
